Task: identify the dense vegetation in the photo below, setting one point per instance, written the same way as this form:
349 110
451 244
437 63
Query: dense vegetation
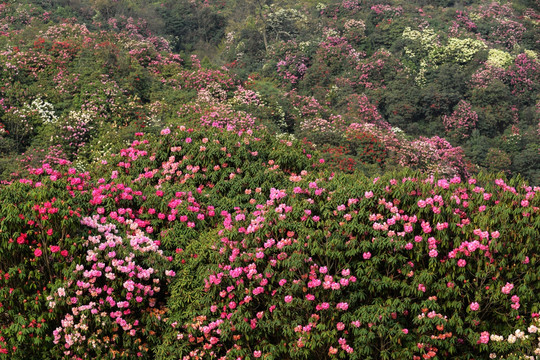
269 179
439 87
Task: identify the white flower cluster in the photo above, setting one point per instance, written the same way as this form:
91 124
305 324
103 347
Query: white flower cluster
330 32
229 37
304 45
354 24
286 136
44 109
320 6
396 130
281 113
521 336
81 117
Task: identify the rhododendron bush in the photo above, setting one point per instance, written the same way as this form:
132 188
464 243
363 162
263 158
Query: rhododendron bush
268 253
158 206
389 268
86 256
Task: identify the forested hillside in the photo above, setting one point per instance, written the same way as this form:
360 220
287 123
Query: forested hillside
200 179
447 87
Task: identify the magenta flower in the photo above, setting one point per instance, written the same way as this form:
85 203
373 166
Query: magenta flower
507 288
484 338
288 298
474 306
366 255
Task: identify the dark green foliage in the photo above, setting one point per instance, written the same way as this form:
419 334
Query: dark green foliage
190 24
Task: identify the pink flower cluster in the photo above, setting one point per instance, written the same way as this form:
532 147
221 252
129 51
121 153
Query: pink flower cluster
462 121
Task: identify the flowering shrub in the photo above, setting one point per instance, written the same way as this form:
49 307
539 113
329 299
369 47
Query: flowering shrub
333 57
362 110
499 58
387 10
462 19
74 130
507 32
319 272
339 158
116 77
461 122
260 242
366 147
486 75
291 68
114 296
101 287
354 30
434 155
39 236
322 131
215 235
524 77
